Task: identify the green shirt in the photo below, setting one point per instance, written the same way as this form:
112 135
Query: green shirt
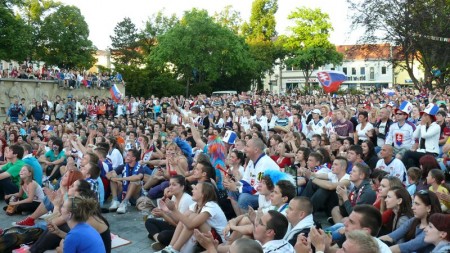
14 170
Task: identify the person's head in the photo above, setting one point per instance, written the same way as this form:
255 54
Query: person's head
78 209
359 173
283 192
302 154
271 226
101 152
339 166
354 153
177 185
358 241
203 192
368 149
90 170
425 204
427 163
71 176
316 141
435 176
414 174
315 159
387 152
399 200
387 183
80 187
376 177
57 145
254 148
132 156
26 174
245 245
364 217
14 152
299 208
236 157
204 171
438 228
363 116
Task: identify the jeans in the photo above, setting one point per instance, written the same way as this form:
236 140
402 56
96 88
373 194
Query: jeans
335 235
247 199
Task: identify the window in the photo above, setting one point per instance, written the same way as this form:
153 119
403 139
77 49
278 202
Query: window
372 73
383 70
353 71
362 70
332 68
344 69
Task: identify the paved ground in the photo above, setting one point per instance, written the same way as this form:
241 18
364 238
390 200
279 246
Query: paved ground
129 226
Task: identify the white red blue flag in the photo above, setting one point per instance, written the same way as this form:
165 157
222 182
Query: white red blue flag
115 93
388 92
331 80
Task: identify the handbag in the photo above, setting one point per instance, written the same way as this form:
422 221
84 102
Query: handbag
11 210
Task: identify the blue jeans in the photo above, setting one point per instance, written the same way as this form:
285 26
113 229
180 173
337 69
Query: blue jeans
247 199
335 235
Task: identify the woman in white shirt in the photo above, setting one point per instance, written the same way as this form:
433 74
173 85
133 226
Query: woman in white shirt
362 128
162 230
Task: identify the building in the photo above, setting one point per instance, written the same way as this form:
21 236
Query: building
366 66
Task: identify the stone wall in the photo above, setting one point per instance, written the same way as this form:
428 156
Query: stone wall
29 89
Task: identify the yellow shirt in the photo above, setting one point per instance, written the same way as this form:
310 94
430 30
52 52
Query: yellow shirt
443 190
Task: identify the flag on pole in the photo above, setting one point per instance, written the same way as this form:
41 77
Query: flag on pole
331 80
115 93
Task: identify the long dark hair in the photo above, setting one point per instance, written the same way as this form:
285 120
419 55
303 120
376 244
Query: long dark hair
371 150
404 208
429 199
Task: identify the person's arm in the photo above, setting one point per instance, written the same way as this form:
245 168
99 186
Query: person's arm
196 135
191 223
398 233
30 196
327 185
413 245
4 175
59 161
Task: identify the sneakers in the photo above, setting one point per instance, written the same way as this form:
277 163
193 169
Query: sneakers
114 205
27 222
122 208
168 249
45 216
157 246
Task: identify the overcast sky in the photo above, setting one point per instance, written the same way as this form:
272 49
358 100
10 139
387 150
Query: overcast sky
103 15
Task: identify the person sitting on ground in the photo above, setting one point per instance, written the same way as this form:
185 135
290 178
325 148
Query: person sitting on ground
29 188
300 217
399 201
9 174
53 159
390 164
161 231
128 186
436 179
438 232
242 245
205 215
269 230
412 231
413 174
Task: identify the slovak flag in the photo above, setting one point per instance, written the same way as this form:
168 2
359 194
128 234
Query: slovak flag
115 93
388 92
331 80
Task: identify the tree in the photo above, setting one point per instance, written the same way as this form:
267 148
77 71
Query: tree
15 36
308 46
229 18
200 51
259 34
63 39
125 43
410 26
157 25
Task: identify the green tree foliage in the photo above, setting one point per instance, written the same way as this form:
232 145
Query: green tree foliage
410 26
125 44
63 39
308 46
259 33
200 51
229 18
155 26
15 36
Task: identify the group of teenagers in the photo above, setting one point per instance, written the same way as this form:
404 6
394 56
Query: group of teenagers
240 174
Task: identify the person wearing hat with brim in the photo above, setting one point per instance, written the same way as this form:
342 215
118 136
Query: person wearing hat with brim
316 125
400 133
427 133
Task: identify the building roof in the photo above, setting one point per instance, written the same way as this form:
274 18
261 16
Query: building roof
368 52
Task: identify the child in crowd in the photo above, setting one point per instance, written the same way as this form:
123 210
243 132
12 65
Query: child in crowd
413 179
436 180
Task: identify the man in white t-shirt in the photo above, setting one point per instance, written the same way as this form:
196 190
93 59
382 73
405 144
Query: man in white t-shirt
390 164
270 230
321 188
245 192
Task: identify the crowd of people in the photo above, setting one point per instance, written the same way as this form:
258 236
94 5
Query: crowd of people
216 171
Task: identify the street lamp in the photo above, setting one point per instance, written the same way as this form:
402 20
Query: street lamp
276 80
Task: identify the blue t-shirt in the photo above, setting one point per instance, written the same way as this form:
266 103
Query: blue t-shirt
83 239
37 168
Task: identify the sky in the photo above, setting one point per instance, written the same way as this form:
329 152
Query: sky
103 15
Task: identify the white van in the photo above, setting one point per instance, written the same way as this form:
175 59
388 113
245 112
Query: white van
224 92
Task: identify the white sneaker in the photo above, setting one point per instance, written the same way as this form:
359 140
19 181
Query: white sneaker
122 208
45 216
114 205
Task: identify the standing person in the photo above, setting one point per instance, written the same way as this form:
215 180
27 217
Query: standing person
9 174
31 188
342 127
427 133
82 237
400 133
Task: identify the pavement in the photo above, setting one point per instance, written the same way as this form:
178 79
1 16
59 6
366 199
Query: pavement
129 226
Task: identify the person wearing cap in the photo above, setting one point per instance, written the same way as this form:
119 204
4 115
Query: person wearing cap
282 119
316 125
427 133
401 132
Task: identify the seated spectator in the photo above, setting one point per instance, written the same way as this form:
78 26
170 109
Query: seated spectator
161 231
390 164
29 188
435 180
414 174
412 232
204 215
53 159
427 163
370 157
438 232
399 201
9 174
270 230
300 217
354 155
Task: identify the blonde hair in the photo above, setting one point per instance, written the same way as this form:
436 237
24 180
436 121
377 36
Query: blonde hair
82 208
365 241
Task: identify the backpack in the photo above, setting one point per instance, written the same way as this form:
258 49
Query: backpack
13 237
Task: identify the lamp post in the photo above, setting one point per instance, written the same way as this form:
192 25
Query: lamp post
276 80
